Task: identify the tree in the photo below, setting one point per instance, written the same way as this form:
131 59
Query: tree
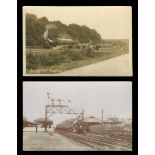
35 28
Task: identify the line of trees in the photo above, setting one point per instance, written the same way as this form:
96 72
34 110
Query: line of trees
35 28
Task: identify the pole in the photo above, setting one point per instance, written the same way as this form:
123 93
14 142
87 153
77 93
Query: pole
48 97
83 115
102 115
48 94
45 118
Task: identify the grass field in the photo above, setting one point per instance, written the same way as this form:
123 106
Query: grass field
47 61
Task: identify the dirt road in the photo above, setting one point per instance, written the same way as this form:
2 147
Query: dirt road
118 66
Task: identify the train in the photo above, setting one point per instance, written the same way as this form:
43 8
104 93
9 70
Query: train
73 125
60 42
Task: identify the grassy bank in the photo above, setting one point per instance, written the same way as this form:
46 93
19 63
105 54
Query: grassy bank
50 63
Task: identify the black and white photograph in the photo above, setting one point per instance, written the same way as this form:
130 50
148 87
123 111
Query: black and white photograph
77 41
77 77
69 77
77 116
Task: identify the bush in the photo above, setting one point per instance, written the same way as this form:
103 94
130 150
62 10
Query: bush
75 55
67 58
90 53
58 59
34 61
31 61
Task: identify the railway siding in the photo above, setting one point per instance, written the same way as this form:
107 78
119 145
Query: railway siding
100 143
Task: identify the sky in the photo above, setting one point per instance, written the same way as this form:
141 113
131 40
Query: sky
111 22
114 97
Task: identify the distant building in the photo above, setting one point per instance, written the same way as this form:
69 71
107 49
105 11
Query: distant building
112 122
127 124
129 120
92 120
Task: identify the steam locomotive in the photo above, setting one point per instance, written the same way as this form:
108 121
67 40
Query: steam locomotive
75 126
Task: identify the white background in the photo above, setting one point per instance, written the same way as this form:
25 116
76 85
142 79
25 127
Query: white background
146 77
8 77
8 84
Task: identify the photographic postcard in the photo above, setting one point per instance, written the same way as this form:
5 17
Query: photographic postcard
77 41
77 116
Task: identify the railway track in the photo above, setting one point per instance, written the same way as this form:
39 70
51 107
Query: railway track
122 137
115 137
111 140
99 143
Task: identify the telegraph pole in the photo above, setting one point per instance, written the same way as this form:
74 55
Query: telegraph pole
83 115
45 118
102 115
48 94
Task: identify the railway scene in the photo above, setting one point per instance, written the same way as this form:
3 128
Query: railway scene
77 116
61 43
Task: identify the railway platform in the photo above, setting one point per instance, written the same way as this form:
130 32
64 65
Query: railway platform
42 141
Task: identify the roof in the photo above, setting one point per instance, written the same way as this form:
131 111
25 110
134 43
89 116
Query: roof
92 119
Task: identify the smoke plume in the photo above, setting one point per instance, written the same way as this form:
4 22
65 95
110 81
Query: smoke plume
45 34
50 26
47 28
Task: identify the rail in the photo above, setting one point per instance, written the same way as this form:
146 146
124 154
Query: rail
99 142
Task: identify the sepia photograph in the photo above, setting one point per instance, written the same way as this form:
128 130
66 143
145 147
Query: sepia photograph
77 41
77 116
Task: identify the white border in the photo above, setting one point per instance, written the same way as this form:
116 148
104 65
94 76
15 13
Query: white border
8 78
